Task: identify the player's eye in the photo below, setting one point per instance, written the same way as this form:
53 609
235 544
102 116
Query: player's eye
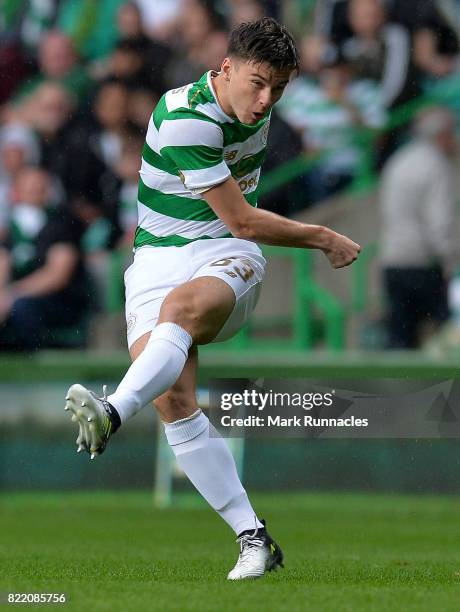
258 83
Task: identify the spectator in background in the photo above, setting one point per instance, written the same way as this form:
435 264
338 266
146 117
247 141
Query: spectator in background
58 61
314 50
239 11
273 8
42 280
436 40
127 170
135 58
137 63
18 148
331 21
245 10
111 113
141 103
91 24
376 48
418 228
50 110
128 62
13 67
379 50
69 148
31 20
203 43
328 112
129 21
284 144
156 55
438 22
160 17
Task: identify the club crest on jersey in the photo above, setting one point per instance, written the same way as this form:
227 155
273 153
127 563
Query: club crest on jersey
131 321
243 166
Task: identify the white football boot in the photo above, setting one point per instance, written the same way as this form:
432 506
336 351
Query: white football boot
96 418
259 553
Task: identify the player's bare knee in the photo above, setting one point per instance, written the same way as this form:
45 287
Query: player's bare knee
185 312
174 405
180 312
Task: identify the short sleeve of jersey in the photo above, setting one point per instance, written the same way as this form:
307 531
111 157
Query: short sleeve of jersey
195 146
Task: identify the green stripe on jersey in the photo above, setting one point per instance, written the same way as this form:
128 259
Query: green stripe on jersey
144 238
179 207
200 93
161 113
158 161
175 206
239 132
193 157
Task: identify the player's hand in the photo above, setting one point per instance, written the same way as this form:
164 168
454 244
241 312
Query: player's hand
341 251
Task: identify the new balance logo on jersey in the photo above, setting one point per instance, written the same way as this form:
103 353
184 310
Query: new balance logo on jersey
230 155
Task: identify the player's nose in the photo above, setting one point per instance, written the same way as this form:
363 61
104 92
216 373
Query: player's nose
265 100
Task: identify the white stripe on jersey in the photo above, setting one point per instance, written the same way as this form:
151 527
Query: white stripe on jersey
162 225
200 180
177 98
190 132
152 137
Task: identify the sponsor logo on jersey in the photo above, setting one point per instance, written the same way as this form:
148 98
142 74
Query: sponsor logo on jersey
248 184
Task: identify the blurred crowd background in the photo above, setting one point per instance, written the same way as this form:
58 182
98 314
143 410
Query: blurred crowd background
80 78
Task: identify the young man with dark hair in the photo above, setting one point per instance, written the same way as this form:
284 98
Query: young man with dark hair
197 269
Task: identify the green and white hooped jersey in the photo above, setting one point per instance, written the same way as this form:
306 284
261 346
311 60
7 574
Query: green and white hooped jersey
192 145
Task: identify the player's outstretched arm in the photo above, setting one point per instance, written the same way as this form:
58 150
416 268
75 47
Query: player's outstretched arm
249 223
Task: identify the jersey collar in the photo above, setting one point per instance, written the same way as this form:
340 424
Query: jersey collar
209 77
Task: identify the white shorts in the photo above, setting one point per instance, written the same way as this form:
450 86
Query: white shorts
158 270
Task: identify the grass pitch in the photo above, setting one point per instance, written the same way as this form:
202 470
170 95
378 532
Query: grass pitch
113 551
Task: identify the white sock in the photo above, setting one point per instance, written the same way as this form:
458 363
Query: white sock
209 465
154 371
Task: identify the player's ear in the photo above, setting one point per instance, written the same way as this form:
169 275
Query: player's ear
226 68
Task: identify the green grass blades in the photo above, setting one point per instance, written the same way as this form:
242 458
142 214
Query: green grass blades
114 551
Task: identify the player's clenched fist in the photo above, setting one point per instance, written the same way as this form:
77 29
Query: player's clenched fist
341 251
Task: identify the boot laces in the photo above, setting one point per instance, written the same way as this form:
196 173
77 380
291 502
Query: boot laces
249 547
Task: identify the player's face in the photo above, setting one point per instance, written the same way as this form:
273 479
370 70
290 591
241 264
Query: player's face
254 89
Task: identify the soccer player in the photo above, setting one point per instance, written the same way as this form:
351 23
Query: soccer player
197 269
